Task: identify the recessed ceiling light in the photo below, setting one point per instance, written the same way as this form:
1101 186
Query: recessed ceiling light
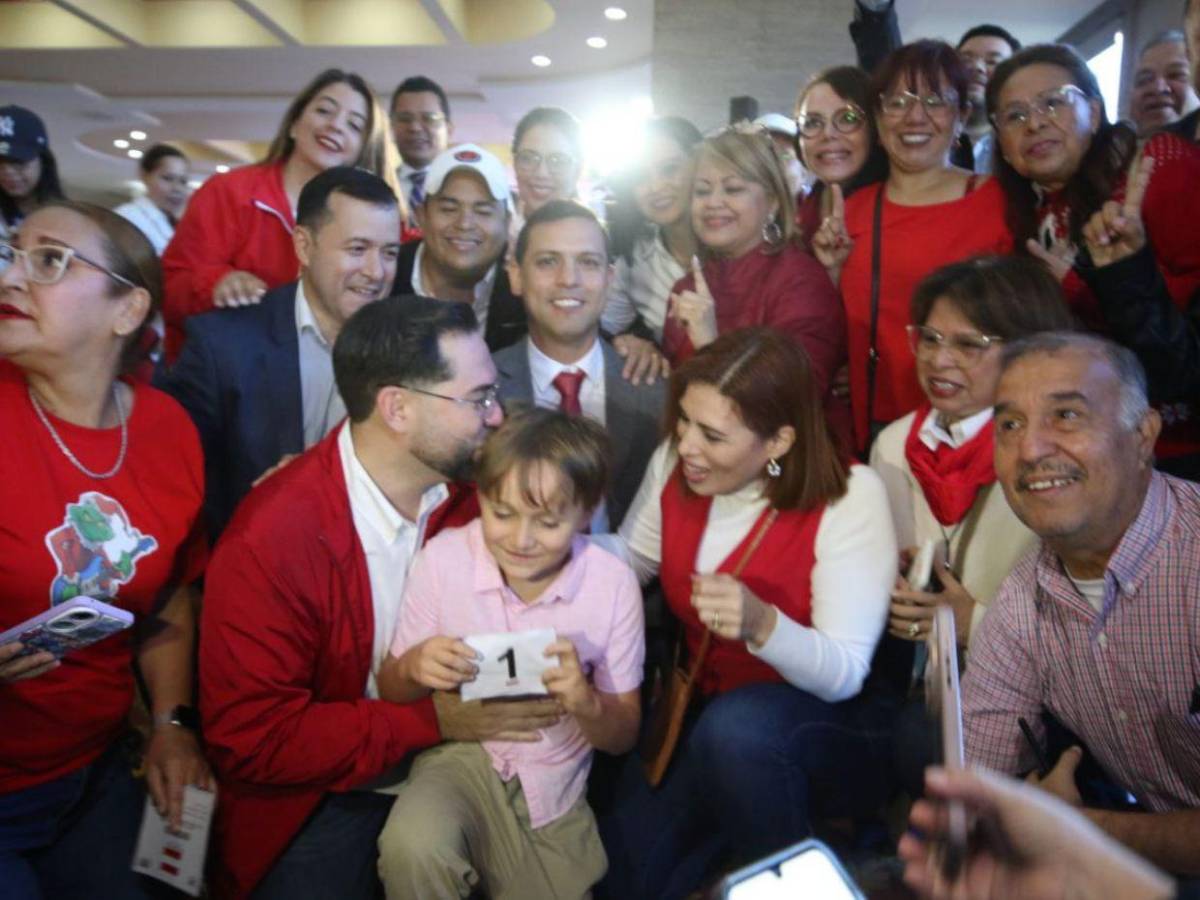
135 154
120 143
222 169
138 135
615 13
540 61
597 43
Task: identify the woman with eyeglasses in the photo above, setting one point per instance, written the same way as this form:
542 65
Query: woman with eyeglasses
102 481
1062 162
234 243
881 242
754 272
837 142
547 151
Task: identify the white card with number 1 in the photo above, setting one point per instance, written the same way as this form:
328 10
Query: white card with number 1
510 664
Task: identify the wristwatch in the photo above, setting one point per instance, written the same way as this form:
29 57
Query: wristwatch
181 715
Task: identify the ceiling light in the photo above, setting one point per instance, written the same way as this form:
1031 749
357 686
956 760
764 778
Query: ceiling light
222 169
597 43
615 14
540 61
120 143
135 154
138 135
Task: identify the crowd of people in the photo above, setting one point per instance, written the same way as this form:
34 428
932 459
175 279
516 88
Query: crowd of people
326 422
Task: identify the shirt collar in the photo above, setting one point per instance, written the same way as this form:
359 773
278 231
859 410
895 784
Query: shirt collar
482 291
406 171
932 433
543 370
368 501
488 577
305 321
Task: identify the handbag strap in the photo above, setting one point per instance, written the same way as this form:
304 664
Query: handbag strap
876 277
763 526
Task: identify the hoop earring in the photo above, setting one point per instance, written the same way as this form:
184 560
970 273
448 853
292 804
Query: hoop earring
774 470
772 233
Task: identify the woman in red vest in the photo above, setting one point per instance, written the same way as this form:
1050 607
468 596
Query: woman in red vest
234 243
751 482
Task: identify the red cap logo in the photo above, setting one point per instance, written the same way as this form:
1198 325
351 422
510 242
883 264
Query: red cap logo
467 156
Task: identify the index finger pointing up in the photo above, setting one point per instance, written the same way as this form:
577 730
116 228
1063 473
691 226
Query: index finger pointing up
839 203
1135 185
698 277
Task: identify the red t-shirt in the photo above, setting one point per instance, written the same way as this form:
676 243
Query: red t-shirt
916 241
127 540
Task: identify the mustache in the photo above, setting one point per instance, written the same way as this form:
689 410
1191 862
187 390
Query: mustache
1043 471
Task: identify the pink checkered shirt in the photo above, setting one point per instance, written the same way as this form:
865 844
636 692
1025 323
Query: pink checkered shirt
1122 679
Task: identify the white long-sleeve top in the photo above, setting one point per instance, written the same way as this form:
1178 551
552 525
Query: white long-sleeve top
851 579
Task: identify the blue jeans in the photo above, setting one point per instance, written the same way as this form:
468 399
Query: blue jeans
74 836
334 856
754 766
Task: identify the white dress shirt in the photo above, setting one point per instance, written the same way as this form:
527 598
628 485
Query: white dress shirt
150 221
320 401
389 542
932 433
642 286
481 294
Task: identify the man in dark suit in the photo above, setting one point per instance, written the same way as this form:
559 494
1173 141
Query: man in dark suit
561 271
465 219
258 380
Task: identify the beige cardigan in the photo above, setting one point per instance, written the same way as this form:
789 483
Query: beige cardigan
999 541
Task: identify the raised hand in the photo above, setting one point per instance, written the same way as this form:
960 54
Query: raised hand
695 309
832 244
1117 231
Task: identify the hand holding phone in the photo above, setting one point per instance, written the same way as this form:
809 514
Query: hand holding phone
61 629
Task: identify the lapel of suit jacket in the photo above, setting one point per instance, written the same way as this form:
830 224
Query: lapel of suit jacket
620 400
281 373
516 378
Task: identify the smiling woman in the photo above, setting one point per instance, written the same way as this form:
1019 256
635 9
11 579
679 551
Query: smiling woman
235 241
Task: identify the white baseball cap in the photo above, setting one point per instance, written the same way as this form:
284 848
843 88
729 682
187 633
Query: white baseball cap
475 158
777 122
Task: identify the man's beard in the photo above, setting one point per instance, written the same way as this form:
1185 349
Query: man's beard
456 463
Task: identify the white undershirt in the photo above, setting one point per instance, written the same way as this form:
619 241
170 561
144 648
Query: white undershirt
481 294
932 432
389 542
1092 590
851 578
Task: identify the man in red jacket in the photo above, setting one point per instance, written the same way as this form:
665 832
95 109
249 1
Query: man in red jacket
302 595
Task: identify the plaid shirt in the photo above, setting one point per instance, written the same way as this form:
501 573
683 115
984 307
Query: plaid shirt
1122 679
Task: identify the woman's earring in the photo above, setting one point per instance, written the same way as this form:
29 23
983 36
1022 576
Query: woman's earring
772 233
773 468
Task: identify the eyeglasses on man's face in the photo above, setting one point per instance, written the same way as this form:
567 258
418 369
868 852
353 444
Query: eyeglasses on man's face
488 399
1052 104
967 348
846 120
531 161
48 263
428 119
897 105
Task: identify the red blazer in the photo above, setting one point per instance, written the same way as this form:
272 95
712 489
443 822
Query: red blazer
241 220
288 627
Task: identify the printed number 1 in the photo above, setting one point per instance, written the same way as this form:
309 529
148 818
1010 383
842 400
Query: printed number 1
511 656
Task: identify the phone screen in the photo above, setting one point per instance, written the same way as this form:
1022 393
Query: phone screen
810 873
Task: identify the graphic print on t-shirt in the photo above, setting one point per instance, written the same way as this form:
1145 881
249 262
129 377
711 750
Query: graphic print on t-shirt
96 549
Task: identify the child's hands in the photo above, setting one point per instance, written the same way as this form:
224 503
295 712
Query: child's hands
567 682
441 663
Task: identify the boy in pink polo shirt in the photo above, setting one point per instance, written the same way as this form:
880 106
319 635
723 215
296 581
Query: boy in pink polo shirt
511 816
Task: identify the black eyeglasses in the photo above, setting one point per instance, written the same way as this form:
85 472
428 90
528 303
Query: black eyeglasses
483 404
846 120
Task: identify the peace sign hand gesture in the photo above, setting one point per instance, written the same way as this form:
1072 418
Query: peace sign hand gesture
1117 231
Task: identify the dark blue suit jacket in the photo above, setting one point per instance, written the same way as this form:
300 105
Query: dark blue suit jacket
239 379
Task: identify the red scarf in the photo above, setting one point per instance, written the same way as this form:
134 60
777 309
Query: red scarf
950 478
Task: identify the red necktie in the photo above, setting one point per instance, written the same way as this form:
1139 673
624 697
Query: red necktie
568 384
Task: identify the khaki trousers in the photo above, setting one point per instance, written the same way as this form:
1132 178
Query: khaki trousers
456 827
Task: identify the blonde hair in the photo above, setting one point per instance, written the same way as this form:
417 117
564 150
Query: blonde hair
749 151
574 446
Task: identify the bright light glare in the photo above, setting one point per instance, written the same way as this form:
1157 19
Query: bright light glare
135 154
1106 66
540 61
138 135
615 14
597 43
222 169
612 136
120 143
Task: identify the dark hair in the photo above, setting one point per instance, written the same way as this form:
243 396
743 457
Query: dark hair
556 211
1007 296
48 188
555 117
312 208
576 446
1102 166
156 154
128 253
935 61
625 220
419 84
395 341
769 380
988 30
853 84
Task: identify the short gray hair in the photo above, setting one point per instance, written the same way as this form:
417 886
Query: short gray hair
1170 36
1134 402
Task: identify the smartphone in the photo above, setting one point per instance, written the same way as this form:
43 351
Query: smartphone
808 869
920 573
944 702
69 626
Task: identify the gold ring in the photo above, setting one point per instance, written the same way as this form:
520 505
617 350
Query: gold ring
914 628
